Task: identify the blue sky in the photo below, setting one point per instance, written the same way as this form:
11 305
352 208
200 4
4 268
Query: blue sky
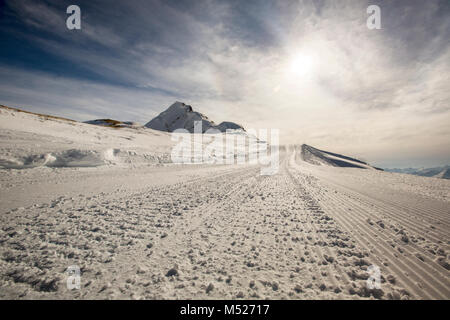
310 68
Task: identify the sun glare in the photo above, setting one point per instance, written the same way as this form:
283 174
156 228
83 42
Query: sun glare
301 65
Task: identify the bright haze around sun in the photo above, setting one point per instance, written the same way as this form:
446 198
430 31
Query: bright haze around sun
311 69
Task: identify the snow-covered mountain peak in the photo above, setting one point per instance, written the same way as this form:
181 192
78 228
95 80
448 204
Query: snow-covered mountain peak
182 116
179 107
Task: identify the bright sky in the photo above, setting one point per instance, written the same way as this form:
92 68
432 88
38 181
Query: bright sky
309 68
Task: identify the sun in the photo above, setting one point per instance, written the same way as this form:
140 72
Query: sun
301 65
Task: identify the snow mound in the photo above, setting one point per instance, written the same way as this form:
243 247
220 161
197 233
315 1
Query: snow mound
181 116
75 158
69 158
321 157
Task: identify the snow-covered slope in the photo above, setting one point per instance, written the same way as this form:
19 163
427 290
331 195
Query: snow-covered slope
218 232
207 232
321 157
32 140
181 116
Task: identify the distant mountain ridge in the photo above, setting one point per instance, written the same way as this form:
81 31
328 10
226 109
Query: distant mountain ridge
436 172
181 116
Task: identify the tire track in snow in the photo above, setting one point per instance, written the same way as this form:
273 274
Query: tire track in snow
417 271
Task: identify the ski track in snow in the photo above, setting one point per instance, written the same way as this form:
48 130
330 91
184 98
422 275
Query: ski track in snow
221 232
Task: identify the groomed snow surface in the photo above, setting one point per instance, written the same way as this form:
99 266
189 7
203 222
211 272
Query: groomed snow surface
109 201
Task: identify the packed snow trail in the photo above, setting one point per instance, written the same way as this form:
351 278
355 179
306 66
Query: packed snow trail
222 232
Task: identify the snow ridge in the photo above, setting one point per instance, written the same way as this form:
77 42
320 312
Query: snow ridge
321 157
